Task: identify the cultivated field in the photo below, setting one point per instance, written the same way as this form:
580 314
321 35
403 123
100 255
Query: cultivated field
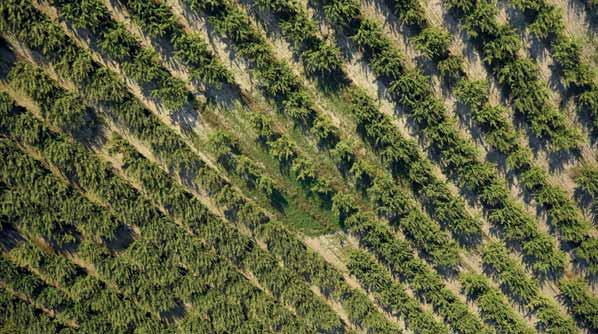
291 166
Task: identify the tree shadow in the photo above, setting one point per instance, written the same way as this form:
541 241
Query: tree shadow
123 237
9 237
178 311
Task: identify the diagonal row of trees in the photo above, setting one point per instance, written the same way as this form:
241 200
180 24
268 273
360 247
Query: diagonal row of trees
233 247
236 204
412 90
545 22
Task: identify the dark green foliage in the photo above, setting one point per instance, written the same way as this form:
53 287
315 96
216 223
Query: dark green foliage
473 94
499 44
53 206
567 51
131 116
588 101
498 132
514 281
325 131
21 318
503 48
546 22
179 204
283 150
370 37
154 17
228 153
451 68
409 12
342 12
117 42
193 52
494 308
322 59
587 255
581 302
391 294
587 179
65 110
432 42
397 256
144 66
230 243
89 14
76 304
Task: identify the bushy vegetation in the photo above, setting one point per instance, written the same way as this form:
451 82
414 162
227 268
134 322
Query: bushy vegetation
132 116
529 95
494 309
545 21
280 147
391 294
581 301
459 158
159 275
514 281
586 179
493 121
18 315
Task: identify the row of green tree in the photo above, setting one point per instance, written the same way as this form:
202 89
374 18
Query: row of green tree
431 41
83 316
385 195
581 301
21 317
499 44
440 203
274 77
166 266
526 291
195 215
320 58
494 123
283 150
115 42
545 21
493 120
586 179
229 155
377 40
33 205
398 257
287 152
459 157
280 147
140 63
130 115
156 19
392 295
496 128
492 306
564 217
148 277
228 242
